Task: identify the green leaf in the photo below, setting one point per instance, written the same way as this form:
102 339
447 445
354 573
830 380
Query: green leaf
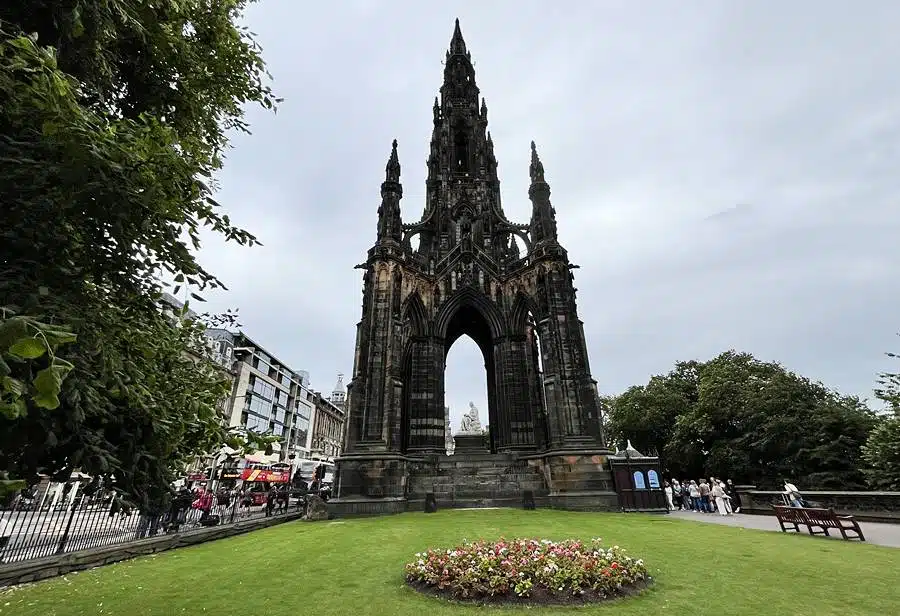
28 348
48 383
58 336
12 386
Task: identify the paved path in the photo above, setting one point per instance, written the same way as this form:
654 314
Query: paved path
879 534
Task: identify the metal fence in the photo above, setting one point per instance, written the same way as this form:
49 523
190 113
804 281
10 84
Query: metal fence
29 532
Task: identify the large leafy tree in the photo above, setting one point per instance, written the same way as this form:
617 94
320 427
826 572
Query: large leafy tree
753 421
882 450
646 414
114 119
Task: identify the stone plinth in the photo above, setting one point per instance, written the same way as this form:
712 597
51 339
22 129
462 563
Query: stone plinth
470 443
370 484
579 480
474 480
374 484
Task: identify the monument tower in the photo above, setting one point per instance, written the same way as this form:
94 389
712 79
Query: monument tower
509 286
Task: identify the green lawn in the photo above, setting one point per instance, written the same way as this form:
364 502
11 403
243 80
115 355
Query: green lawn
355 567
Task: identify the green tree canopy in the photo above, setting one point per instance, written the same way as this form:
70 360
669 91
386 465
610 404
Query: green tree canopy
114 119
882 450
755 422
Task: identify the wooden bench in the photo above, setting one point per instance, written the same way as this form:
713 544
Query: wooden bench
790 518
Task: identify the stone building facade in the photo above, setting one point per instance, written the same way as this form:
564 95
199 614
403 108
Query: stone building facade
328 425
509 286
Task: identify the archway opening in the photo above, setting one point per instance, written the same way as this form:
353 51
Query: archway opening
518 245
465 382
469 370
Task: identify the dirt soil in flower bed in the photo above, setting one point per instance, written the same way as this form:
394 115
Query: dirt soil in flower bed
538 596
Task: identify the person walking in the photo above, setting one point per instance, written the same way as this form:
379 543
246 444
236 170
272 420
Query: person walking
695 496
718 494
705 504
270 501
727 497
676 495
735 500
668 490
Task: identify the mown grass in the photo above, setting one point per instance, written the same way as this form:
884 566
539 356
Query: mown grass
355 567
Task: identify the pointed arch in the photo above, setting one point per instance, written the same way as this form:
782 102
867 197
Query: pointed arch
473 298
462 208
413 309
522 305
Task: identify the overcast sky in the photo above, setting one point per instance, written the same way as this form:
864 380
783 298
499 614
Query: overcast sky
725 174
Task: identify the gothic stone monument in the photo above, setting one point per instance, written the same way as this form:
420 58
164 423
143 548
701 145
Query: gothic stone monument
467 275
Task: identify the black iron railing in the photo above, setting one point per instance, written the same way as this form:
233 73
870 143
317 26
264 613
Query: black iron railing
28 532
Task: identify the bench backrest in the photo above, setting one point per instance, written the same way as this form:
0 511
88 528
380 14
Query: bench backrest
789 514
820 515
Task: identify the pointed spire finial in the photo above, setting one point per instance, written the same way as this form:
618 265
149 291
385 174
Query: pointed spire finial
392 170
483 107
537 167
457 44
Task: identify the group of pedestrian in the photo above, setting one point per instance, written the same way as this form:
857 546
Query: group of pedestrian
702 496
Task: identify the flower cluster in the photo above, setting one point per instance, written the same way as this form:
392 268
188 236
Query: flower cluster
523 567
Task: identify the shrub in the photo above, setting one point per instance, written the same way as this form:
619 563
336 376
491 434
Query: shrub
523 568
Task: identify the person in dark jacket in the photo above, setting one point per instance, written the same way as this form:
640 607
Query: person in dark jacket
735 497
270 501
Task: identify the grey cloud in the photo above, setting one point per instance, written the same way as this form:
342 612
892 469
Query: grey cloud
652 119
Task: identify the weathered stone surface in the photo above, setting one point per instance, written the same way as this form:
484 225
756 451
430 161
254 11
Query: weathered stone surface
316 509
470 443
472 272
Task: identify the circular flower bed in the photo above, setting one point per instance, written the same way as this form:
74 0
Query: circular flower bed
528 570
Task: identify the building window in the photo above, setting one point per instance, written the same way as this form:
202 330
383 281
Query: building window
259 406
262 364
262 388
303 410
257 424
302 430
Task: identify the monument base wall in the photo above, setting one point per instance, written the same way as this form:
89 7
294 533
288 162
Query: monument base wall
574 480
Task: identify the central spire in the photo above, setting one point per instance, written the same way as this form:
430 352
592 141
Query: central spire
457 44
459 74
